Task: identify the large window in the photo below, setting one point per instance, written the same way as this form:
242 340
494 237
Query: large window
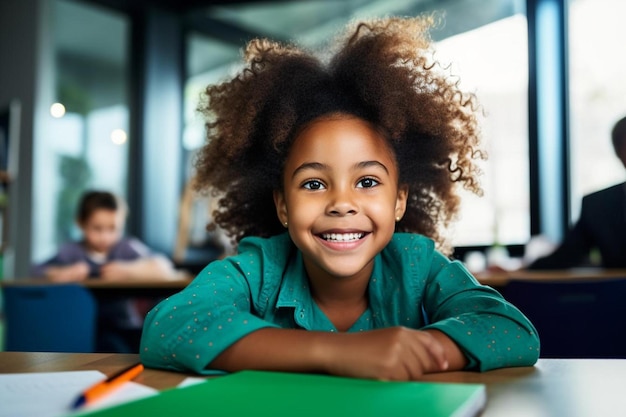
491 61
597 94
484 41
83 140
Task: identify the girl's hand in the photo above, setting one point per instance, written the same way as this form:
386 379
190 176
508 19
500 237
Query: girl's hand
390 354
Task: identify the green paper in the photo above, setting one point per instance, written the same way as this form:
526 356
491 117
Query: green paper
273 394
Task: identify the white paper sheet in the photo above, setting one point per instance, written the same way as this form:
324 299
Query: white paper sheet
51 394
191 380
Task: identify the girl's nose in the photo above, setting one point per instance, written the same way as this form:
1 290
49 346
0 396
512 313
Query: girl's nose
342 203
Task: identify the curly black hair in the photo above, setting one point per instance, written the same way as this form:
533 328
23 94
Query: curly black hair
380 70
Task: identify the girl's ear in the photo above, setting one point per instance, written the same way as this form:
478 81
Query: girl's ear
401 199
281 206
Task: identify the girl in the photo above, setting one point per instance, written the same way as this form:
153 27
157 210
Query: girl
358 160
104 253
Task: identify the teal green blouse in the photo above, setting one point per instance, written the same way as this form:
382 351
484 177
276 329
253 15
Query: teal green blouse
265 285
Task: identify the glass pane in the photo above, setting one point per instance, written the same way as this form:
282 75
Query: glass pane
492 61
597 91
84 139
486 41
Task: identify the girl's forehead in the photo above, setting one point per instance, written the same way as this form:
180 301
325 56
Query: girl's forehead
342 139
338 129
345 120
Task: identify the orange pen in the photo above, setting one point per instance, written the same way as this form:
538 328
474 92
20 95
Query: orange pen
111 383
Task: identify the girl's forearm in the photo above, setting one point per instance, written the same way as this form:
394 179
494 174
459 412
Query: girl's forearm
277 350
395 353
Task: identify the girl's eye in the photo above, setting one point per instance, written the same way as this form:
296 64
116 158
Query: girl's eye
367 183
313 185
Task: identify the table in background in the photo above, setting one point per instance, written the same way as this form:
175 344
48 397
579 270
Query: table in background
178 282
498 279
492 278
26 299
143 287
554 387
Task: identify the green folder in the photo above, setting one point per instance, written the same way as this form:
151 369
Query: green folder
274 394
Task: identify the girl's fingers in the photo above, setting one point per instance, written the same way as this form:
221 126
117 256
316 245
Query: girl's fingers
437 352
429 353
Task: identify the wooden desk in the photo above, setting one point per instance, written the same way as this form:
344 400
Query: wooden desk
554 387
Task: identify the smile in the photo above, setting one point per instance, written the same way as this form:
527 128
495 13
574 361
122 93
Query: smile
342 237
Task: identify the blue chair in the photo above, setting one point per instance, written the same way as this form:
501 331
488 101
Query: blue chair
49 318
574 319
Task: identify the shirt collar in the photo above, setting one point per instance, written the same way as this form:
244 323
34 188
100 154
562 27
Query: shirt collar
294 291
385 286
294 287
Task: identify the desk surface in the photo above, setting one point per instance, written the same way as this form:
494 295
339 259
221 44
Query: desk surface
555 387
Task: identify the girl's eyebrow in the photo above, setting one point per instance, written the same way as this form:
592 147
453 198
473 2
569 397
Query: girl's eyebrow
323 167
367 164
310 165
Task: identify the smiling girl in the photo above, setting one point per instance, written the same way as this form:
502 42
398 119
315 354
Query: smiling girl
339 180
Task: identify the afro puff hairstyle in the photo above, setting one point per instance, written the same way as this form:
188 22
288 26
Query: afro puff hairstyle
382 71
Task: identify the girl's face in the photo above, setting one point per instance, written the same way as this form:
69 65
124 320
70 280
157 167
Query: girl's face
103 229
341 196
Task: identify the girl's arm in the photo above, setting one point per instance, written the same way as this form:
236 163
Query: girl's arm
214 324
489 331
230 318
395 353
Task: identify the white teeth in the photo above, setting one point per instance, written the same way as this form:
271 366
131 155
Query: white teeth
342 237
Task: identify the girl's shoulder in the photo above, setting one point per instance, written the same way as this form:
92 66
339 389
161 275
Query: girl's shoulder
410 242
257 257
414 249
260 261
278 247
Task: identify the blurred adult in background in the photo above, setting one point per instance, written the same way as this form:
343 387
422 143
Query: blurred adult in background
601 227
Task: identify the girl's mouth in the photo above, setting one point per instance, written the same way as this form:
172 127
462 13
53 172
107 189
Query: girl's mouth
342 237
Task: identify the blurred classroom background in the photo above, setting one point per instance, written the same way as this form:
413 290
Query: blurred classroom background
102 94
